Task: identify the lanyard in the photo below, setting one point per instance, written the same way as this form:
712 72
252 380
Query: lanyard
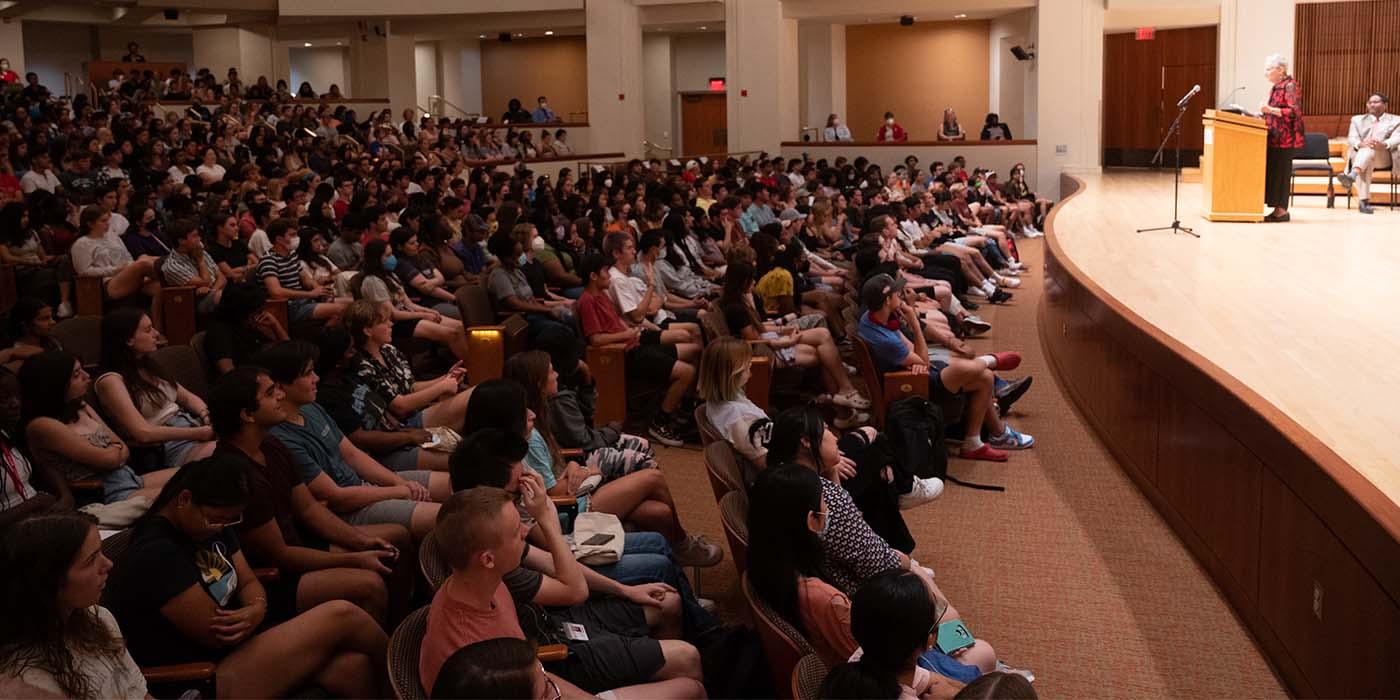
13 468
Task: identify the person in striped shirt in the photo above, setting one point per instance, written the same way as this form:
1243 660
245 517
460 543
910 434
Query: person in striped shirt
280 270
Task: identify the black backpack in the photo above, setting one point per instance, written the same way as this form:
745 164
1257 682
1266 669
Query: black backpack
915 427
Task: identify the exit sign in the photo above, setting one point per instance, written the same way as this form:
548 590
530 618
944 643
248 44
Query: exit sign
1146 33
717 84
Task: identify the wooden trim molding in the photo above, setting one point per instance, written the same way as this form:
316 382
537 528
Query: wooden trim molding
905 144
1306 550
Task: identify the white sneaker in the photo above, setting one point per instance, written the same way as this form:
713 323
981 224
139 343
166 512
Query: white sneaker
975 291
850 399
1011 282
65 310
923 491
1009 271
856 419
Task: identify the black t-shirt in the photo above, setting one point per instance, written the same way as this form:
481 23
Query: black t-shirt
406 271
235 254
269 490
354 405
236 342
161 563
737 317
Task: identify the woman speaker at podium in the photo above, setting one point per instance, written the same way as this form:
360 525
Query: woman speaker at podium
1284 115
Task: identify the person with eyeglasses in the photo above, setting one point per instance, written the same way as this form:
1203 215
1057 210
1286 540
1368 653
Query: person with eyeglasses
183 592
503 668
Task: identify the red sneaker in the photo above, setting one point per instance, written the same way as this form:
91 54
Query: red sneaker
1007 361
985 452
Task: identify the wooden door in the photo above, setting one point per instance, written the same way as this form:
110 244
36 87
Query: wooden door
704 123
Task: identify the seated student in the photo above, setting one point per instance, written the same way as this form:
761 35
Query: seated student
892 350
311 251
642 301
320 557
641 497
363 414
57 641
185 593
65 433
377 363
37 273
787 520
504 668
360 489
495 457
424 285
229 251
376 282
550 323
482 536
648 359
649 268
189 265
31 331
346 251
99 253
281 272
895 617
791 343
240 327
611 452
27 488
147 405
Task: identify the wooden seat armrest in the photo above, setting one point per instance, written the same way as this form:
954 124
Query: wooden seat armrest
564 501
574 453
268 574
88 292
552 652
608 365
178 673
901 385
85 484
278 309
760 383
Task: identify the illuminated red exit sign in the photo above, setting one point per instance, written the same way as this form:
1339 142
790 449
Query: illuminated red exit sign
717 84
1146 33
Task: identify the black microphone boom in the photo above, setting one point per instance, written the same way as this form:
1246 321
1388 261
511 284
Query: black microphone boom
1187 98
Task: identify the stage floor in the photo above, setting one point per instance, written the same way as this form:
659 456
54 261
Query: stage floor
1305 313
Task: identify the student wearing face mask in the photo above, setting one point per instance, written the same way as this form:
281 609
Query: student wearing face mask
836 130
891 131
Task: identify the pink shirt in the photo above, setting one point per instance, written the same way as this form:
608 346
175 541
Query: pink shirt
453 622
826 617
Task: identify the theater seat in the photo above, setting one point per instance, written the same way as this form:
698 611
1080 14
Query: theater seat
807 677
406 644
182 362
783 645
82 336
177 313
885 390
9 288
734 516
491 340
87 296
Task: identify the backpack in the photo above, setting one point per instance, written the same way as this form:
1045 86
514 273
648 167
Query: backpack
915 428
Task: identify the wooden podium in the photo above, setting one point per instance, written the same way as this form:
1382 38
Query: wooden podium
1232 167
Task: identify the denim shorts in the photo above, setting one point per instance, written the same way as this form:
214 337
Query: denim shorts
175 451
300 309
120 484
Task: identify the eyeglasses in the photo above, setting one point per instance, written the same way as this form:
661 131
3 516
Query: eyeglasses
220 523
551 687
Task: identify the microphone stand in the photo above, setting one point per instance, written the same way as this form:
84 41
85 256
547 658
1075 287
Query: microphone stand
1176 226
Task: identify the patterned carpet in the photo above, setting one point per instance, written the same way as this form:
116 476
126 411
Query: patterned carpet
1070 573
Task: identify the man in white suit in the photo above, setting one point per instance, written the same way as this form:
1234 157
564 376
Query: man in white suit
1371 144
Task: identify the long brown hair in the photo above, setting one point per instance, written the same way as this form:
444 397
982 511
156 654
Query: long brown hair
35 556
531 370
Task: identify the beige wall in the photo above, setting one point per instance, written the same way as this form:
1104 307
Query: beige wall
879 79
527 68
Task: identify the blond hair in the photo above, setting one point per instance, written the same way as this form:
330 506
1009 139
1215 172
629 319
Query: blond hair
467 524
721 367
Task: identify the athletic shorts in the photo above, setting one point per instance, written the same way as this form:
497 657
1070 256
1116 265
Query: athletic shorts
397 511
651 363
404 329
618 651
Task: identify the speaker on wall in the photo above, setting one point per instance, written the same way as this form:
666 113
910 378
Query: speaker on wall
504 37
1021 54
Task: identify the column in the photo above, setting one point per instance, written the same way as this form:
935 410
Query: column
382 66
1251 30
761 62
658 86
12 45
821 74
459 70
249 50
616 104
1069 93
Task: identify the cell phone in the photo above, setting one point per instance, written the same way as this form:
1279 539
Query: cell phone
597 539
954 636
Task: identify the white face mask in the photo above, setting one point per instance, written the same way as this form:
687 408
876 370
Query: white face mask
537 244
294 243
890 121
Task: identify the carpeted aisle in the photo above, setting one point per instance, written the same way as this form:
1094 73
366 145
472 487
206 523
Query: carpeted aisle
1070 573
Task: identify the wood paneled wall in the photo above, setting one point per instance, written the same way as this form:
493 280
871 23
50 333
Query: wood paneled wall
1345 51
1142 82
953 65
527 68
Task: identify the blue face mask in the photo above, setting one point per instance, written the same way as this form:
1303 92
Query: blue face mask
522 260
390 263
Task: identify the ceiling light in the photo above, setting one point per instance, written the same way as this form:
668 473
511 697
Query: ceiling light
483 36
703 28
520 33
549 33
960 15
307 44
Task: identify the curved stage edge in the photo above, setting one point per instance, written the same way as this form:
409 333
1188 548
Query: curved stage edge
1305 549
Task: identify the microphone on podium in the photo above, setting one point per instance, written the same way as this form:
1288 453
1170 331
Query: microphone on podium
1187 98
1227 101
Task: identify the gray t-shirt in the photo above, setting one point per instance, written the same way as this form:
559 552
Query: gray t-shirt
503 284
346 256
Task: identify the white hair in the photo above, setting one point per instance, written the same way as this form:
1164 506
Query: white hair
1276 59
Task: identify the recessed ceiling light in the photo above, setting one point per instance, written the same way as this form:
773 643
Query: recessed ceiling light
307 44
703 28
960 15
520 33
549 33
483 36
